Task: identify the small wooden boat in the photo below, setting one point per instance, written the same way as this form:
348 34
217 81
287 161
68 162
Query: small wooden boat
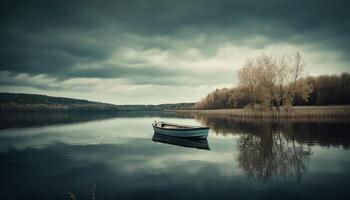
198 143
178 130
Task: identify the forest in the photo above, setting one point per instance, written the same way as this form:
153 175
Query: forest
277 82
19 102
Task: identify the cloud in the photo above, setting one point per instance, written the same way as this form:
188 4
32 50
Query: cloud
164 43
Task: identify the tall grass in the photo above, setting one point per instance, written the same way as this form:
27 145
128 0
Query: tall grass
299 112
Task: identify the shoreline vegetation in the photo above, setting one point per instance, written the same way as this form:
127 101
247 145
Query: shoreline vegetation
276 87
336 112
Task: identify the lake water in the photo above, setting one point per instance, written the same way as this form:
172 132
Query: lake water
47 156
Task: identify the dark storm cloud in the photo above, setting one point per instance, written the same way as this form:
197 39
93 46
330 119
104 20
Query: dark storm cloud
54 37
118 71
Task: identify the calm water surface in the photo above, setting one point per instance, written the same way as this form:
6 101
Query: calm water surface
45 157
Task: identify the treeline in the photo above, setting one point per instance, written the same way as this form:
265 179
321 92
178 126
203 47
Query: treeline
265 82
327 90
317 90
236 97
23 99
16 102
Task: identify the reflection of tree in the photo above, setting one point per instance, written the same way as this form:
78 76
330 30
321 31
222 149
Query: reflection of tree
270 156
268 149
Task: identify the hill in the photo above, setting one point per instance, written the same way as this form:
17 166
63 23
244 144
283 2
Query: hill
12 102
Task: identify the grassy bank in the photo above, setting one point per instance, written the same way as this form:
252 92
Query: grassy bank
299 112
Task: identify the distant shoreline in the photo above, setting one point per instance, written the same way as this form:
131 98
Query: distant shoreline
302 112
20 102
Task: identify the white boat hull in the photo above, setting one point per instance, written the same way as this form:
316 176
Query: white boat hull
201 132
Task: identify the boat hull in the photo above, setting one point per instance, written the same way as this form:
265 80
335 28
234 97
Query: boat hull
183 142
186 133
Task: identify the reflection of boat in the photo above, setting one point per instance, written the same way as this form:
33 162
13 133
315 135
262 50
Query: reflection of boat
178 130
184 142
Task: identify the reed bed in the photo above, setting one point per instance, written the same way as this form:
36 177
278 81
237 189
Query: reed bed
298 112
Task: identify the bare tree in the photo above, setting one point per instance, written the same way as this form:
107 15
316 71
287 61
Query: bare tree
274 81
247 77
296 86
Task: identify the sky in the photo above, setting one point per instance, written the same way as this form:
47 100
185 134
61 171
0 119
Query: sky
160 51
